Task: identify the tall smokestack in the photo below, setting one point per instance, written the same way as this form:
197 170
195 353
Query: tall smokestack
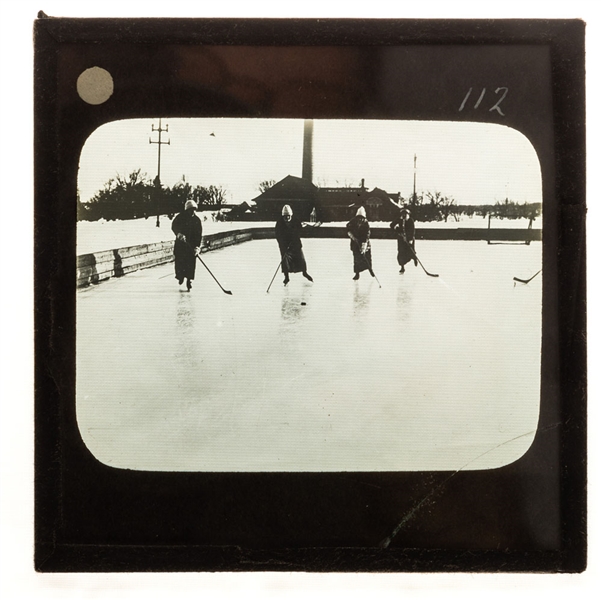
308 150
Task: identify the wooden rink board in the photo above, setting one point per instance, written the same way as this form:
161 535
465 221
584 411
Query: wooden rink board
95 267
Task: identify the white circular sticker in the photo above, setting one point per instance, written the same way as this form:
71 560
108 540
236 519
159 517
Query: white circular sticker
95 85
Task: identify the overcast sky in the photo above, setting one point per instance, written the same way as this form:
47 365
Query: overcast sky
472 162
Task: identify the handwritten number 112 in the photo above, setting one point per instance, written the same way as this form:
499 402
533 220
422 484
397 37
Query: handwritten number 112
481 97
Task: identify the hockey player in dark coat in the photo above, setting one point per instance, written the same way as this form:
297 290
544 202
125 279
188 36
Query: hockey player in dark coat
405 230
188 236
287 233
358 230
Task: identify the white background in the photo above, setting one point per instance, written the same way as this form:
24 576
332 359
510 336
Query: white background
17 577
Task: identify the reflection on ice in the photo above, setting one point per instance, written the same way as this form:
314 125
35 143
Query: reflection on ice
186 333
185 312
361 300
403 301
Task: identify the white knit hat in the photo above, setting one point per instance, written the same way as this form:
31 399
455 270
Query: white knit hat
190 204
361 212
287 210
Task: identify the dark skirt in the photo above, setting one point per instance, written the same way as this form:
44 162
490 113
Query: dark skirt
405 252
361 262
185 260
293 261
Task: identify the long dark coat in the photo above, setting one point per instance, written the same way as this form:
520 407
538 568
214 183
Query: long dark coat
288 233
405 231
358 227
189 225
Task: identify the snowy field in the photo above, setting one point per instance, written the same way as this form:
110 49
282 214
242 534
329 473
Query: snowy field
421 374
95 236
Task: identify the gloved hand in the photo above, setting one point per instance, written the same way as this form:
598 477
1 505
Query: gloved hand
197 250
364 248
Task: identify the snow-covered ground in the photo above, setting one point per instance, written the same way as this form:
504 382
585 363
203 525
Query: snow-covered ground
337 375
95 236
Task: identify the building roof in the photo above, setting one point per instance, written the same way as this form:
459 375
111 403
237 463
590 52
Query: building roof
289 188
292 189
352 196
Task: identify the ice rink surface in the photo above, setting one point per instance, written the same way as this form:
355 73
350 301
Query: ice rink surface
337 375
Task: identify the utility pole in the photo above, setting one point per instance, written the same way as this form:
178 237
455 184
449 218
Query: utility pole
157 181
414 174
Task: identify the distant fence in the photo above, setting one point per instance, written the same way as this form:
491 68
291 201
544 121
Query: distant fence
100 266
386 233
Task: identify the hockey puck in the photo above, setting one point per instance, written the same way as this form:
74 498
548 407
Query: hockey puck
303 304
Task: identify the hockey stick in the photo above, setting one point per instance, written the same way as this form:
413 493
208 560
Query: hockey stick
424 268
273 278
213 276
376 277
209 270
526 280
420 262
371 270
278 268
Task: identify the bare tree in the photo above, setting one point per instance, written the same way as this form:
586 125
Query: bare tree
265 185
